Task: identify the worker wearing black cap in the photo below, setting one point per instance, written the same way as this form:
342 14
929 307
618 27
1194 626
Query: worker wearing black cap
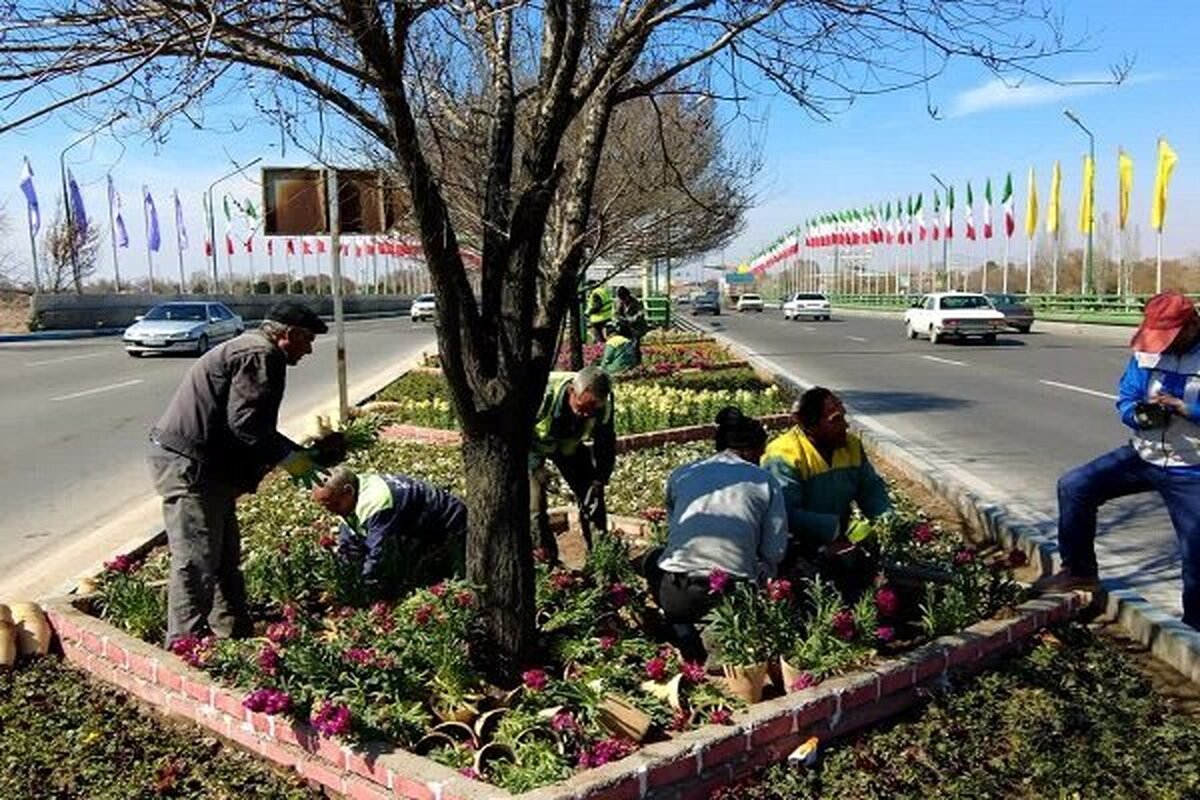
217 440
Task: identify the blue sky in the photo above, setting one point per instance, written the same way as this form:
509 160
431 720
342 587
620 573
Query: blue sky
883 148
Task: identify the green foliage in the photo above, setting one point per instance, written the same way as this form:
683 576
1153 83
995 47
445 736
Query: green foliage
417 386
824 648
1073 718
65 736
640 478
735 379
134 604
738 623
642 407
538 763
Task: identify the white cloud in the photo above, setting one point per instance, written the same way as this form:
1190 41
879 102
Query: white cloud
997 95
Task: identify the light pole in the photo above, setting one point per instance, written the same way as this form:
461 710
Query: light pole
945 240
62 171
1091 190
212 215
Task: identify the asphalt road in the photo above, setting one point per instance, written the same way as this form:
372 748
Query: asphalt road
74 418
1013 416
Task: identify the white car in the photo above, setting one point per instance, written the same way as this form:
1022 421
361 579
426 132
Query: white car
750 302
424 307
806 304
958 315
189 327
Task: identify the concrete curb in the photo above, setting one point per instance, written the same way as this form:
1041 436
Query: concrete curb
1168 638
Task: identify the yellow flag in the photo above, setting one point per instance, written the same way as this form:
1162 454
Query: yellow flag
1166 165
1031 206
1125 174
1089 189
1054 211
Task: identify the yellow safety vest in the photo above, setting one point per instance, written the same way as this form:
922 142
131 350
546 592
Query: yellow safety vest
544 443
604 306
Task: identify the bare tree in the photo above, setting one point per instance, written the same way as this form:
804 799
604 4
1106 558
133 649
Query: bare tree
10 273
537 87
60 271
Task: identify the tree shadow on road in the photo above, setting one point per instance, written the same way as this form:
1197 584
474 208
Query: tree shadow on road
880 402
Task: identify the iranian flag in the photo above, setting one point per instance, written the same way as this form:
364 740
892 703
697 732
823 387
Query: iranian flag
1010 221
969 213
937 216
291 247
919 213
890 229
949 220
902 221
987 209
228 243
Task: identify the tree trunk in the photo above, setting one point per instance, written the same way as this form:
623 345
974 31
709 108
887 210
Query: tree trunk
499 548
575 335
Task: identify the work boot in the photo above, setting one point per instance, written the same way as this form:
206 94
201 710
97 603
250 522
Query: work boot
1067 581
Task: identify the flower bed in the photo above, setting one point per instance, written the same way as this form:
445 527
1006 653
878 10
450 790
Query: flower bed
334 666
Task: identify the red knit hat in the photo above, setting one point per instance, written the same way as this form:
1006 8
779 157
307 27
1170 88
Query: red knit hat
1166 315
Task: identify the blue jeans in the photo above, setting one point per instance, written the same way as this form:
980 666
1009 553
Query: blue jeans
1120 473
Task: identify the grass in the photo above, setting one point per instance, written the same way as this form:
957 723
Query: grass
1073 718
62 735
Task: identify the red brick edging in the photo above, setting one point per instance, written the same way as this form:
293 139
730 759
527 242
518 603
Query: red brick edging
679 769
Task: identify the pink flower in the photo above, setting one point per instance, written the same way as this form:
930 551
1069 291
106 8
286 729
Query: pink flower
608 642
693 672
122 564
290 613
438 589
1017 559
194 650
363 656
464 599
803 681
424 614
720 716
561 581
654 514
656 669
282 632
604 751
541 555
779 590
535 679
885 633
718 581
923 533
469 772
843 625
268 701
964 556
564 722
332 719
887 602
327 541
680 720
268 660
618 595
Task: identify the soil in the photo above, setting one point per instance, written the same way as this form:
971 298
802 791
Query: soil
1166 680
14 313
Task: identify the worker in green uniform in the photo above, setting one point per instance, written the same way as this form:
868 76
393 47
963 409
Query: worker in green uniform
599 311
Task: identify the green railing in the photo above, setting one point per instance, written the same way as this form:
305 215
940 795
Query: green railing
658 310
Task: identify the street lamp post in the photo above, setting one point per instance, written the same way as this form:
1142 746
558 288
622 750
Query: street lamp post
212 214
62 171
945 240
1088 275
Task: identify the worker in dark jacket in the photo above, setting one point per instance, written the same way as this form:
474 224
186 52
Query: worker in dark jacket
217 440
423 526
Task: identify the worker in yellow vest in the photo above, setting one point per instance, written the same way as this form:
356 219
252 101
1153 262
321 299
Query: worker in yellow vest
576 408
599 311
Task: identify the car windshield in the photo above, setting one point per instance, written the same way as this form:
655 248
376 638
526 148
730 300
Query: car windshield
751 297
965 301
1006 299
426 298
810 297
178 312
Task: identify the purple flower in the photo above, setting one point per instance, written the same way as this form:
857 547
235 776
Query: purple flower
720 716
923 533
464 599
843 625
123 564
718 581
193 649
535 679
604 751
964 556
654 514
561 581
564 722
282 632
268 660
362 656
608 642
618 595
656 669
327 541
438 589
268 701
693 672
803 681
885 633
779 590
887 602
681 719
332 719
423 614
469 772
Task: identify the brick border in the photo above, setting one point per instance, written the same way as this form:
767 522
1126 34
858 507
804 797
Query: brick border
688 766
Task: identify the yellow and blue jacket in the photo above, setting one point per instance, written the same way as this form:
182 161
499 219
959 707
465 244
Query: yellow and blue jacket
818 494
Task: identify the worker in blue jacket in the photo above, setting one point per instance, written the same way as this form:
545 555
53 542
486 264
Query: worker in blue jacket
425 526
1159 400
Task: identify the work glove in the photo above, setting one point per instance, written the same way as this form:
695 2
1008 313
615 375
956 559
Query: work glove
592 504
859 531
301 465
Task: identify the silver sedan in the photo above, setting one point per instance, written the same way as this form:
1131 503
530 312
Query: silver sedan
188 327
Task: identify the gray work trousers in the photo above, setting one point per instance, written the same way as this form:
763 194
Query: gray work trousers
205 590
578 470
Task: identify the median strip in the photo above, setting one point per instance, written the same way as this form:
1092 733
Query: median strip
97 390
1080 389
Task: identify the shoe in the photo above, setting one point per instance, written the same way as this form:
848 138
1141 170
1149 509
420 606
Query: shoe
1067 581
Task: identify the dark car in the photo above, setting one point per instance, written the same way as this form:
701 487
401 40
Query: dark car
707 303
1017 312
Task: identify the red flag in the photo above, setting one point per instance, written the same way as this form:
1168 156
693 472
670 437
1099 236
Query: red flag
291 247
358 251
307 247
345 250
370 249
207 247
228 244
320 245
250 244
270 247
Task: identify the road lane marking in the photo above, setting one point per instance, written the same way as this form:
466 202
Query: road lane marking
97 390
856 338
810 329
1080 389
945 361
64 358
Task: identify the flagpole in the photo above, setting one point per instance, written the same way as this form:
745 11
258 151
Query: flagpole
37 279
270 265
984 280
179 249
1054 266
229 259
112 229
1029 267
250 262
1004 274
303 288
149 252
1158 271
1121 290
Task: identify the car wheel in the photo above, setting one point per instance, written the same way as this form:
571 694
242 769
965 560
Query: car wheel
933 336
134 353
908 329
202 345
1025 328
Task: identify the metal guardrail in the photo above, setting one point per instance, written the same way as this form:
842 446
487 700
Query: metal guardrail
658 310
1084 306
